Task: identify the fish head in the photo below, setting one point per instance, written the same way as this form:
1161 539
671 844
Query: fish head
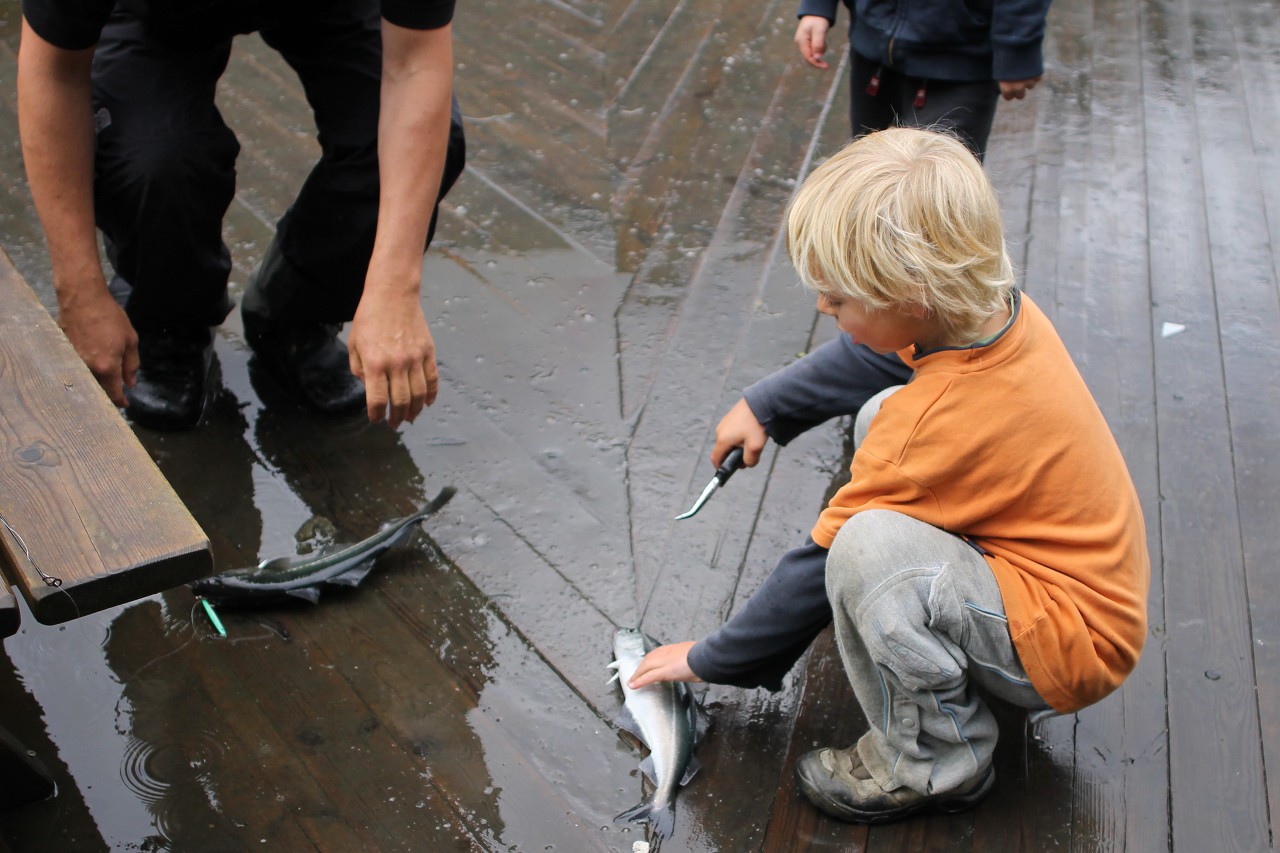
631 643
205 586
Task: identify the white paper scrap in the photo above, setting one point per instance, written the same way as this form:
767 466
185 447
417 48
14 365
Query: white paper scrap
1168 330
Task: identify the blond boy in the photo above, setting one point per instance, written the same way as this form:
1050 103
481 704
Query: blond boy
990 541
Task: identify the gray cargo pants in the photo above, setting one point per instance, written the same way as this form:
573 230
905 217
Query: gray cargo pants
919 623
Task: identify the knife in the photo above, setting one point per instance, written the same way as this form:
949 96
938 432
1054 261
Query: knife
731 463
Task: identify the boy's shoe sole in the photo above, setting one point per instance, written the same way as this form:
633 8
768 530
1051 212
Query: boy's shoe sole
825 792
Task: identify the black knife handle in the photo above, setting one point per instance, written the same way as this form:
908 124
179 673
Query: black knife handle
731 463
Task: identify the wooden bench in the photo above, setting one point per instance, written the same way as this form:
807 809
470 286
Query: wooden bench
87 521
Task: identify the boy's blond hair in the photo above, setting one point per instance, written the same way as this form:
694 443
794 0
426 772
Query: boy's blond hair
904 219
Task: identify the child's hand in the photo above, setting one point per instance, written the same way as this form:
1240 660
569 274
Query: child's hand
811 38
665 663
1011 89
739 428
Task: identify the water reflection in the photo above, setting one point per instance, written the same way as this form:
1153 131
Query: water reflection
175 746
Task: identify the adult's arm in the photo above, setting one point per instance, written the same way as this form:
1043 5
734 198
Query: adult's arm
391 346
55 124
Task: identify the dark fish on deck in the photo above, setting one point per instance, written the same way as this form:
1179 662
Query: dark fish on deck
302 576
669 721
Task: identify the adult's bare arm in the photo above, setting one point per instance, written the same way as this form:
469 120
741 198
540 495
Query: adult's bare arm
55 123
391 346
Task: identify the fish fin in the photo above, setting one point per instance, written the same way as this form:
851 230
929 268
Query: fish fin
354 575
627 722
306 593
662 820
438 501
650 772
295 561
638 813
617 673
690 770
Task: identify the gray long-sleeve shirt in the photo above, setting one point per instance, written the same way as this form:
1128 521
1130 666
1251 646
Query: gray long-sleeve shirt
762 641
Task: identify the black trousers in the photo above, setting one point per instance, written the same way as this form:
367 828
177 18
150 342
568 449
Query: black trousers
967 109
165 165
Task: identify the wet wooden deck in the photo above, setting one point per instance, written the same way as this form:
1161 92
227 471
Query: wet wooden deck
607 277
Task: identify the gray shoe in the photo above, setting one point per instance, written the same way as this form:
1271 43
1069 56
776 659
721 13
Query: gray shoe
839 783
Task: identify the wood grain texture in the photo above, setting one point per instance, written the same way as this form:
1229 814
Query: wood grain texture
81 500
606 278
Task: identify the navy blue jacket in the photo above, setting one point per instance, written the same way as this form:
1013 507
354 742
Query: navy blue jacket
946 39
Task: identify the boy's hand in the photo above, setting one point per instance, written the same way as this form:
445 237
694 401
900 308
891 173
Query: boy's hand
665 663
739 428
811 38
1017 89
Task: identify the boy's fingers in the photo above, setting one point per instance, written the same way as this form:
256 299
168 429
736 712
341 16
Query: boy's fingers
817 50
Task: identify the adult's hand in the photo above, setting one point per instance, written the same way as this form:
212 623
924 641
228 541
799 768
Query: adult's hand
811 38
739 428
665 663
1017 89
102 336
393 352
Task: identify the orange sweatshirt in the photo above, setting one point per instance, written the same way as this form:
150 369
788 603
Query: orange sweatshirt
1004 444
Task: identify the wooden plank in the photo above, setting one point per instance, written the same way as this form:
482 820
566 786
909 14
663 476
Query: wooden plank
263 755
1212 705
712 324
1229 100
1249 321
82 502
827 715
1121 756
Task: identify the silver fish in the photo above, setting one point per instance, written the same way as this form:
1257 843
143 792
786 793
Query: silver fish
668 720
301 576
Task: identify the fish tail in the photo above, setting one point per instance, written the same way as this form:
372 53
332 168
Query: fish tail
636 814
663 820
